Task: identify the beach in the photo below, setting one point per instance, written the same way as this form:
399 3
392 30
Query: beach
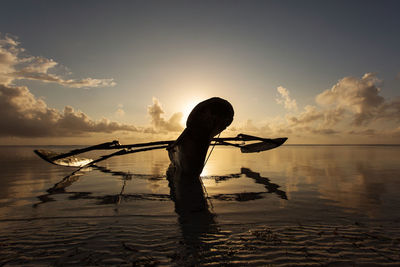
295 205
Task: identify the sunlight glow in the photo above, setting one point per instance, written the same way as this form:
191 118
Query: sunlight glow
186 110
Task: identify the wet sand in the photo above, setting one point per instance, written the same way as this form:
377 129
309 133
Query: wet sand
134 241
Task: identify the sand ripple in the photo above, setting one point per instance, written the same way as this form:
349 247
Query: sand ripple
125 241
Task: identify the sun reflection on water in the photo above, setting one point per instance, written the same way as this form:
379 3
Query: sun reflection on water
313 178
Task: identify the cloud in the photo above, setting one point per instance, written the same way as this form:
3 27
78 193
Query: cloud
390 110
8 58
24 115
358 96
324 131
51 78
309 115
16 64
353 99
159 123
353 107
285 99
370 132
333 116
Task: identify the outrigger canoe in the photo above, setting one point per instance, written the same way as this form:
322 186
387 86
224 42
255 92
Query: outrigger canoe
187 153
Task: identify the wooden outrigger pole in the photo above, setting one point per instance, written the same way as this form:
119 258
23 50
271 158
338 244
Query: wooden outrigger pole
187 154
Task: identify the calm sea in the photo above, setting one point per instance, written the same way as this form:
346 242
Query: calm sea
123 207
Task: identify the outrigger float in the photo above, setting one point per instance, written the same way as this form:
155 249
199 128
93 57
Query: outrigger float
187 153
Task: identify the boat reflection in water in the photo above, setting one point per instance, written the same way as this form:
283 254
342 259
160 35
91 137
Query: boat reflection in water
188 157
187 154
196 225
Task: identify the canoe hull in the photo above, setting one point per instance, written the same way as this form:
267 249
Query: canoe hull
188 153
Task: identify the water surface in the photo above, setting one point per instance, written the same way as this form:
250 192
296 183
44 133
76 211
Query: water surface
121 213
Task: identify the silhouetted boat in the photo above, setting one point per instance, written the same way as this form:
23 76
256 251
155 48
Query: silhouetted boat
188 153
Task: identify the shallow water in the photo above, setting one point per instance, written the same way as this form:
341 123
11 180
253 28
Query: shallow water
293 204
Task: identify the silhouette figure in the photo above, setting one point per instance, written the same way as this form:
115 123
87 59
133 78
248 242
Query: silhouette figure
188 153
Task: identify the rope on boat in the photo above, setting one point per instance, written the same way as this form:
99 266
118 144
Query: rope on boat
205 162
201 180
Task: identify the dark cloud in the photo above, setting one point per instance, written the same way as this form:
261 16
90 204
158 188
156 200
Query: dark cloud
24 115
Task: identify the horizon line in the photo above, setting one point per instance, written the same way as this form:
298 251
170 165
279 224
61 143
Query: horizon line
1 145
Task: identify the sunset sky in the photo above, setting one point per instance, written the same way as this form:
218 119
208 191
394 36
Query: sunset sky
83 72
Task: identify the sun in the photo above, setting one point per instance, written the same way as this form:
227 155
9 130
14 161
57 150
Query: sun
188 106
